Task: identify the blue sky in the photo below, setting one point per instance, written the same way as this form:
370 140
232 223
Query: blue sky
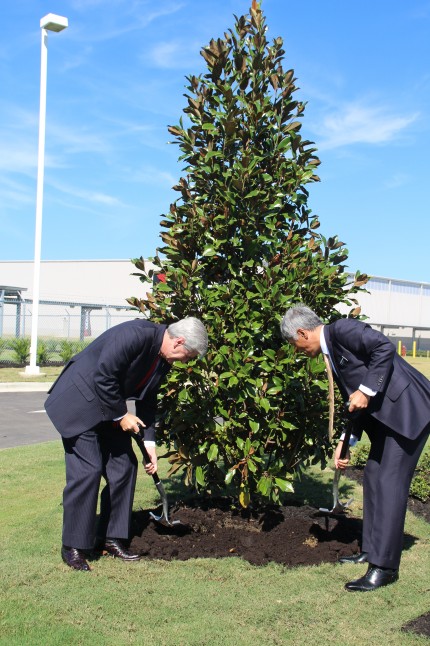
116 80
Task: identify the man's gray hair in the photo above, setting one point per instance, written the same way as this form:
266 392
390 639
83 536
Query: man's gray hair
194 333
298 317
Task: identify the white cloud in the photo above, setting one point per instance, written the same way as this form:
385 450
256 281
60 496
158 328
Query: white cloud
92 197
17 156
154 177
72 140
19 149
103 198
19 132
128 18
397 181
78 59
360 124
13 194
173 54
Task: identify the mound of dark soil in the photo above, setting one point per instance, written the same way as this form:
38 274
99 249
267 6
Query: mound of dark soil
289 535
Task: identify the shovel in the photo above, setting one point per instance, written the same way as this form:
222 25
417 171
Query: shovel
164 518
340 507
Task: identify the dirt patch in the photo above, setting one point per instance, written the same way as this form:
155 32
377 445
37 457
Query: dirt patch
420 626
421 509
291 535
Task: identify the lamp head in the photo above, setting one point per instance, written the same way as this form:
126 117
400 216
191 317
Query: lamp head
52 22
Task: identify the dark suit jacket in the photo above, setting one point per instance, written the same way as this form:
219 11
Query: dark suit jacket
362 355
96 383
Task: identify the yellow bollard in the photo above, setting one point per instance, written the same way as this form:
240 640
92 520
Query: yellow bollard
399 348
414 349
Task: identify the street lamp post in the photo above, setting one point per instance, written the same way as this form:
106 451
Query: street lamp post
51 22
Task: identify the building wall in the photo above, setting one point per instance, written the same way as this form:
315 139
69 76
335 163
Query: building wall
72 284
81 281
397 302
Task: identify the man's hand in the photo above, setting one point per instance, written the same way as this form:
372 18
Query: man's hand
341 464
130 423
152 466
358 401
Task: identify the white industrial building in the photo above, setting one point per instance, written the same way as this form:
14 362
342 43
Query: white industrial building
84 297
78 298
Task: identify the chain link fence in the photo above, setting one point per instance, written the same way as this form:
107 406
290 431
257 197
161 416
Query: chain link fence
64 328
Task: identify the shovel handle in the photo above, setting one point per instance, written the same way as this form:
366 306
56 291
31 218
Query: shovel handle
345 444
348 432
146 459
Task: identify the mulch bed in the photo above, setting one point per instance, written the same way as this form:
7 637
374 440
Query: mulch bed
291 535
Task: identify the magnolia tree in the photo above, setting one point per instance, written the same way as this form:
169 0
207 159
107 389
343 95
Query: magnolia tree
240 246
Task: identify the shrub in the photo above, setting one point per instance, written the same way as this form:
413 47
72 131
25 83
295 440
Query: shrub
43 352
21 349
68 349
359 455
420 486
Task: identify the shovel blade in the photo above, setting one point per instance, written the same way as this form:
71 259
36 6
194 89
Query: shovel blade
163 520
338 507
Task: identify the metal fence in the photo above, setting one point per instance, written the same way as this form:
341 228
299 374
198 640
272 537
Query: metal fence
59 324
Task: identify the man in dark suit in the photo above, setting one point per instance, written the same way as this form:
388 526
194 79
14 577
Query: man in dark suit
394 404
88 406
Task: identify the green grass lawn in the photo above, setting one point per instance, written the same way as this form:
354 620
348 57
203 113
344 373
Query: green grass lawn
420 363
222 602
15 375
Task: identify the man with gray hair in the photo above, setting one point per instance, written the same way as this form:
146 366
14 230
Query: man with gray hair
88 406
393 401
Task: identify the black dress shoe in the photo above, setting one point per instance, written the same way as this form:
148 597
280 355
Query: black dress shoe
114 547
374 578
74 558
361 557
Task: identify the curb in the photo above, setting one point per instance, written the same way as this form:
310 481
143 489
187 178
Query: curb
23 387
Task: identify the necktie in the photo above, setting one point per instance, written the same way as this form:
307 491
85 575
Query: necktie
148 375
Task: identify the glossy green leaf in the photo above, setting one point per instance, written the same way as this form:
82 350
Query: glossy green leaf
212 453
200 478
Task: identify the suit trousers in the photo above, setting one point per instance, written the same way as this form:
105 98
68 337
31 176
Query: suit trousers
387 477
99 452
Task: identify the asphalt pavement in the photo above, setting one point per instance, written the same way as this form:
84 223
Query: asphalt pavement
23 417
